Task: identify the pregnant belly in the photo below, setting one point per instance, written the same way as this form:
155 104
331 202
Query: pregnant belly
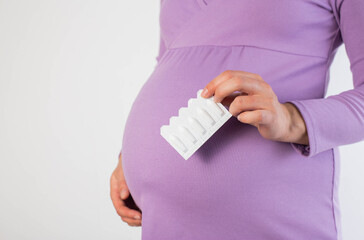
236 174
149 162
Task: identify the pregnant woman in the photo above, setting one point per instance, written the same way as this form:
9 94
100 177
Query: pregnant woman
271 171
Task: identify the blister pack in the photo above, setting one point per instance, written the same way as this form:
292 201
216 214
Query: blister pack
194 125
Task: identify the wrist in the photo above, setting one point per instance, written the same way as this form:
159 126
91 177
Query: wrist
297 131
120 160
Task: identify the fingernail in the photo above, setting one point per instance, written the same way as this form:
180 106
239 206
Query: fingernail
204 92
124 192
137 217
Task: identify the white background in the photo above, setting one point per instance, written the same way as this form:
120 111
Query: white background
69 72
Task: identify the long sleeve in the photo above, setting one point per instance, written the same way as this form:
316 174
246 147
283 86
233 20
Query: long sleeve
162 44
339 119
162 48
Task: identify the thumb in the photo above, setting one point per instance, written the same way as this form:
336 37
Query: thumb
124 193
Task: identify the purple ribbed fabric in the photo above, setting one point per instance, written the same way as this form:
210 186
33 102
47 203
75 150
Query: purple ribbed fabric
239 185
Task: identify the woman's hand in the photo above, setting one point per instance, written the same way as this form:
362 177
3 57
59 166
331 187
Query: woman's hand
256 104
121 198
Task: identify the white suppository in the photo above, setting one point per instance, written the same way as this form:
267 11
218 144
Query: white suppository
194 124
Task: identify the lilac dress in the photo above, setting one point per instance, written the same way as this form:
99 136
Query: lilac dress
239 185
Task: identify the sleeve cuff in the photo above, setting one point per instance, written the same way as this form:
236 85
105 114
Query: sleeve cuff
310 149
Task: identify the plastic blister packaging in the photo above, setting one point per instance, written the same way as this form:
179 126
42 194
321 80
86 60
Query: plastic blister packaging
194 125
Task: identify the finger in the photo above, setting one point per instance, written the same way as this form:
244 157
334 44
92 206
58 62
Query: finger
120 207
248 103
124 193
115 198
229 99
255 117
210 88
124 211
118 185
241 84
132 222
